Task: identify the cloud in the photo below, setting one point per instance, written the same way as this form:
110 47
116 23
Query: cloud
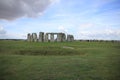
2 32
15 36
87 25
101 34
13 9
98 31
62 29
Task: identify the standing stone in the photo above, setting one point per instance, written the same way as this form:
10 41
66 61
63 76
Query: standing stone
52 37
28 37
63 37
41 37
46 37
68 37
34 37
72 38
59 37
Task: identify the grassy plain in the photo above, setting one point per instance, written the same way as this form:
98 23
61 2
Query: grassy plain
20 60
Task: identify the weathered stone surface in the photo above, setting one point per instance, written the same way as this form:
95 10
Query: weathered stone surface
28 37
52 37
34 37
70 38
41 36
46 37
61 37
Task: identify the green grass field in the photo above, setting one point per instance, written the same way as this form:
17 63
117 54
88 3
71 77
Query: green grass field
20 60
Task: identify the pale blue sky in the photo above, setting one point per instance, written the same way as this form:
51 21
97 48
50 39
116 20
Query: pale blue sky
85 19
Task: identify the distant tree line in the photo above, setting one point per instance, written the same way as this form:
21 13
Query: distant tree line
98 40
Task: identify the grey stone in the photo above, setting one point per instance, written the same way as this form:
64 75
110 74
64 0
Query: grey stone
61 37
28 37
34 37
46 37
52 37
41 36
70 38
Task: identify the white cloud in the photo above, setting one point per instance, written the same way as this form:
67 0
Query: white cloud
2 32
55 1
97 31
16 36
62 29
87 25
12 9
101 34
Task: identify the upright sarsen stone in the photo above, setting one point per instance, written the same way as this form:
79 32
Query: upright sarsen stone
41 36
46 37
29 37
59 37
52 37
70 38
63 37
34 37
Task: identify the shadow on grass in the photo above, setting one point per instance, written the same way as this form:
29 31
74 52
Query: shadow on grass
49 52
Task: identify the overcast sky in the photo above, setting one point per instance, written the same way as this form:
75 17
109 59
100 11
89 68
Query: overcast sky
85 19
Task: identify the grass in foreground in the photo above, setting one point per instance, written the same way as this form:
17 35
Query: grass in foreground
50 61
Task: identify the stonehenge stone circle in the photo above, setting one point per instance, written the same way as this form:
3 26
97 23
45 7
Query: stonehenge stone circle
49 37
